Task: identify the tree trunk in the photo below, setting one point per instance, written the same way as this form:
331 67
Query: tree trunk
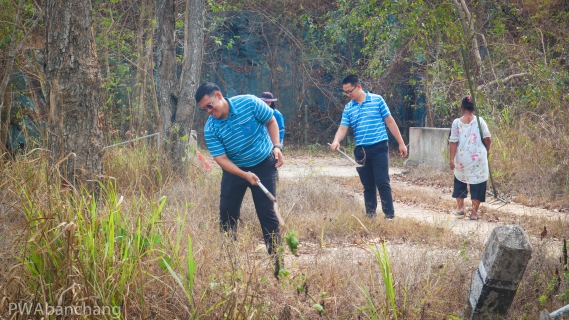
467 22
178 110
5 118
141 72
185 112
166 84
73 85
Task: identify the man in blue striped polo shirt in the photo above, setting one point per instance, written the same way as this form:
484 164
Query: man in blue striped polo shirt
247 152
368 114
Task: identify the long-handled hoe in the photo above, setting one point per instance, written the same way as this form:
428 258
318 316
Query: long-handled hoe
279 262
275 205
358 165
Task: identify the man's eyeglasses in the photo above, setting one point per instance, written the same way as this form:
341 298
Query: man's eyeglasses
208 106
347 93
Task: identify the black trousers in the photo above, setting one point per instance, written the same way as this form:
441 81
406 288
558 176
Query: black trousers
374 175
233 190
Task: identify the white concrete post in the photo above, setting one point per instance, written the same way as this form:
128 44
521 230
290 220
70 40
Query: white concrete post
496 280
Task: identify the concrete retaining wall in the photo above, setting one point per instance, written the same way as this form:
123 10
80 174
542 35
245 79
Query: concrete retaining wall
428 145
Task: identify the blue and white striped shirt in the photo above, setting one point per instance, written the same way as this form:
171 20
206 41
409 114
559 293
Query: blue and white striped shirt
280 122
367 119
242 135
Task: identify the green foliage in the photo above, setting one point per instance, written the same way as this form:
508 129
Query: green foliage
292 241
96 239
382 259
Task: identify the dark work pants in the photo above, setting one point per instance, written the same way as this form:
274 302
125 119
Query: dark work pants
375 174
233 190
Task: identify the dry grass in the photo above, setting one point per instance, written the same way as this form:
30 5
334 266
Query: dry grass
532 157
432 267
439 181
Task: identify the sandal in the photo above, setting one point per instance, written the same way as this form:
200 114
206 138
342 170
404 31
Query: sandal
473 218
459 213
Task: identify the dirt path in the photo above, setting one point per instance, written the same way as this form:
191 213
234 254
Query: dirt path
304 167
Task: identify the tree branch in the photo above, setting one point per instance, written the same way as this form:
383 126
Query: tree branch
542 45
508 78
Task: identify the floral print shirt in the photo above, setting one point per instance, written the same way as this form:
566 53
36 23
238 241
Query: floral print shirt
470 161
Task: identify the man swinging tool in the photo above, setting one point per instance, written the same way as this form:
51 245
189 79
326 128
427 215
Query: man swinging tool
247 152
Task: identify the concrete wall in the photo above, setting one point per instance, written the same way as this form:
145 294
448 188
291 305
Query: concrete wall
428 145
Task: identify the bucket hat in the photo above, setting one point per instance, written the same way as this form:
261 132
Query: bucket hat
267 96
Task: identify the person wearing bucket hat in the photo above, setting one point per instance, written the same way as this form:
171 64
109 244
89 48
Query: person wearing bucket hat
270 100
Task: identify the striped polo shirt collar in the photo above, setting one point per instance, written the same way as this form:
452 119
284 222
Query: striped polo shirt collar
232 111
367 99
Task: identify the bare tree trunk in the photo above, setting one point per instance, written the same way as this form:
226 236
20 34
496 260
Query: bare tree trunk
467 22
177 110
166 82
5 118
141 76
147 84
429 106
183 120
73 85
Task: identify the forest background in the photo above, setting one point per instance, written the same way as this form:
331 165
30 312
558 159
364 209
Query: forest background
407 51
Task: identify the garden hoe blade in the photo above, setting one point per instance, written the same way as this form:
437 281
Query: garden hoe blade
358 165
274 200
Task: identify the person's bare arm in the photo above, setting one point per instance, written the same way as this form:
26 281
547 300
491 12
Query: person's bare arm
340 135
230 167
452 146
273 129
392 125
487 143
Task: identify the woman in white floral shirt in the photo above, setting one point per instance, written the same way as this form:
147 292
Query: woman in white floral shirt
469 158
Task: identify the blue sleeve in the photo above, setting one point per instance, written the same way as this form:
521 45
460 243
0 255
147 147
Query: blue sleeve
280 121
383 109
346 119
261 111
213 143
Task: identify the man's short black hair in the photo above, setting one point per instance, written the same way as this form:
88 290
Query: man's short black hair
208 88
351 79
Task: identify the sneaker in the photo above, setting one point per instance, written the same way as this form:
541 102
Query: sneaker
389 217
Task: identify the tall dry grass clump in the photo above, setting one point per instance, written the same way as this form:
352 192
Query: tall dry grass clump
149 246
531 157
